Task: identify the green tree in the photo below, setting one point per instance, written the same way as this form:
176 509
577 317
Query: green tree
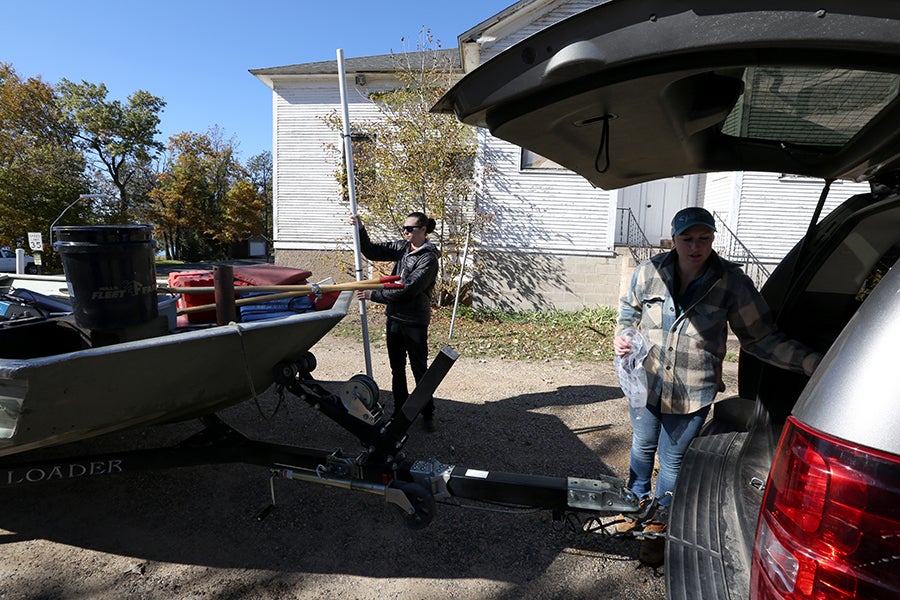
259 169
120 137
41 169
411 159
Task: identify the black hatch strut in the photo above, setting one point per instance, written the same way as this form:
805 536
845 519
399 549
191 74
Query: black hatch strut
808 238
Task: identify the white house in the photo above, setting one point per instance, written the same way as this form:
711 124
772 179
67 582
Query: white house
553 239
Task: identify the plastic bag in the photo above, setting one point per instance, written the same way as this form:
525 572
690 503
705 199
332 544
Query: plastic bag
630 368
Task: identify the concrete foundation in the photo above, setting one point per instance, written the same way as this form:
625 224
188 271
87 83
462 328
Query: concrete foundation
521 281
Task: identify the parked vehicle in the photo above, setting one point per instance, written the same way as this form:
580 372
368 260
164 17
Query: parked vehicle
8 262
792 490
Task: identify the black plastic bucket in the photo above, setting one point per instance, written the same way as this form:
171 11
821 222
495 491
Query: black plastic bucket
111 270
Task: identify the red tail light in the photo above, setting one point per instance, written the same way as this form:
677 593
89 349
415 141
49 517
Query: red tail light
830 523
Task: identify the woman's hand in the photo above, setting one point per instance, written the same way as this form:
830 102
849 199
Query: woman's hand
363 294
355 221
621 345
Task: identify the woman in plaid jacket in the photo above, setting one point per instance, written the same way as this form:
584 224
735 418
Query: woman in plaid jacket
682 302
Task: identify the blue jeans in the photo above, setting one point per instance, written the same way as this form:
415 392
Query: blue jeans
667 435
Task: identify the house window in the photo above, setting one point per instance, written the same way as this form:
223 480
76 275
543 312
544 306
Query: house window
534 161
361 145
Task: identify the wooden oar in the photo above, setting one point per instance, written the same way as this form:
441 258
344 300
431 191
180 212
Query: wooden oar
293 293
307 288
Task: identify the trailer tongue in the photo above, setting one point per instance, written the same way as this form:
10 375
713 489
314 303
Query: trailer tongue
384 468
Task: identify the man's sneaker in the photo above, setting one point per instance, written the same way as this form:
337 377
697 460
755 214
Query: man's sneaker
653 549
428 423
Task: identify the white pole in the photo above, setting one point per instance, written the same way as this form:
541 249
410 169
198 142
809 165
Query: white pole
351 189
20 261
462 270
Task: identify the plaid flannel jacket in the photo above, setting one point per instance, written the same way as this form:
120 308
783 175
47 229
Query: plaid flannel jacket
687 347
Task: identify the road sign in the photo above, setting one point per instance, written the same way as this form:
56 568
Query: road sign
35 241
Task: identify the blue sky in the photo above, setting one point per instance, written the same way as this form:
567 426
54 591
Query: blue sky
196 53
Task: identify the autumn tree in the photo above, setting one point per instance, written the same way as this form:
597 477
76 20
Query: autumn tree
41 170
174 204
118 136
241 216
56 144
411 159
204 200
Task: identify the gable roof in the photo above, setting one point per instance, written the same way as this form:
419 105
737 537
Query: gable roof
381 63
464 58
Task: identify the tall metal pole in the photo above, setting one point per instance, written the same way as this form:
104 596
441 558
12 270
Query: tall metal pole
351 189
462 270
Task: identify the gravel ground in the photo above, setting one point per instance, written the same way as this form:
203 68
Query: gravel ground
193 532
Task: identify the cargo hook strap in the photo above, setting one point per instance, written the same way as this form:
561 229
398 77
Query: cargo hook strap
252 387
601 161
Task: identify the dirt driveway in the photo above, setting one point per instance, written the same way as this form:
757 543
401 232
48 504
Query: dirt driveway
193 532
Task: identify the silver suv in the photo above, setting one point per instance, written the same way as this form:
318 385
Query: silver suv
793 489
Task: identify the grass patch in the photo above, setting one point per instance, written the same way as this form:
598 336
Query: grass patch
586 335
576 336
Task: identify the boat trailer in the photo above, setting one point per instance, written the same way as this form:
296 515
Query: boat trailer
381 467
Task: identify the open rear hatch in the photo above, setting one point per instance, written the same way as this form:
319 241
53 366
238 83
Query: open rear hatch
636 90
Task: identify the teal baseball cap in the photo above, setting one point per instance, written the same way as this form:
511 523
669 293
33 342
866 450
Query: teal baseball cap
686 218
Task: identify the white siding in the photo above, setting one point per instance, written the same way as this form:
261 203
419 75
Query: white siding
555 212
533 210
311 214
775 211
718 194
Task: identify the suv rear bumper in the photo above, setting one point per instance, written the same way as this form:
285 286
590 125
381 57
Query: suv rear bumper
707 554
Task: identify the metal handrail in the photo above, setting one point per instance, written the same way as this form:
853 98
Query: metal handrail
632 236
729 247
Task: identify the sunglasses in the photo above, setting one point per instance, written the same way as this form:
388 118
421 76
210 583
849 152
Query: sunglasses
410 228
